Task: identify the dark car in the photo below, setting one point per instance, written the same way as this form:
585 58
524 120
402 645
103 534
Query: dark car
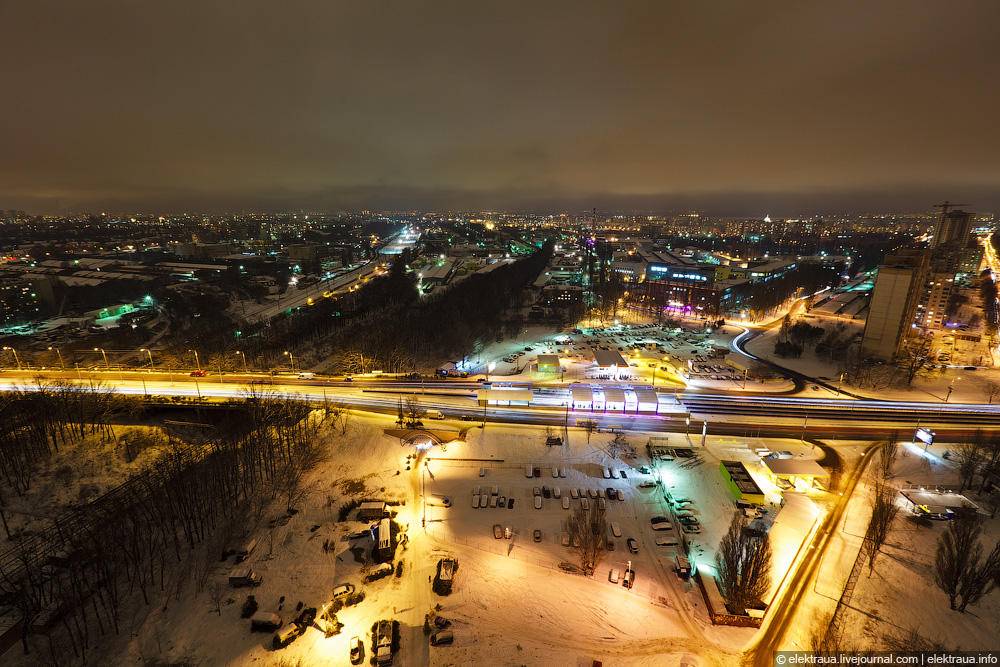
467 418
633 546
629 578
510 503
198 374
546 492
537 535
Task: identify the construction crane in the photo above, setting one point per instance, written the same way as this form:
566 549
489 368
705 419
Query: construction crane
947 205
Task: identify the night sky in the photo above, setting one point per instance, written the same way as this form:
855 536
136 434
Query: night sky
728 107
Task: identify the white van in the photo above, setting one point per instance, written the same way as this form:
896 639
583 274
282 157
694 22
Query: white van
434 414
306 376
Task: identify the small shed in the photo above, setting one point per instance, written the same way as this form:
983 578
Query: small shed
548 363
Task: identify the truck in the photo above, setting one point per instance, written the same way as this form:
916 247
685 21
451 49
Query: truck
383 643
434 414
244 576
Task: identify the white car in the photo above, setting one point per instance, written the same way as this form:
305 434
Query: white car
585 504
565 502
616 529
621 496
562 472
607 473
574 493
556 493
664 541
475 501
538 502
555 472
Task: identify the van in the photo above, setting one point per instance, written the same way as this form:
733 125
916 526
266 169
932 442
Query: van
286 636
436 500
434 414
265 622
306 376
244 551
682 566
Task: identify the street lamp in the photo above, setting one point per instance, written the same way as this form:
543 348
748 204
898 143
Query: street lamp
61 362
15 357
291 359
840 383
151 367
105 355
197 361
950 389
243 356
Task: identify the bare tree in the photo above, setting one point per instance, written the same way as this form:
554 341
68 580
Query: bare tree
980 579
413 411
970 457
620 447
884 512
216 594
958 553
992 503
743 562
991 389
589 426
588 528
888 457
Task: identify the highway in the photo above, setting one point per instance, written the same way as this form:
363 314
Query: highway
725 415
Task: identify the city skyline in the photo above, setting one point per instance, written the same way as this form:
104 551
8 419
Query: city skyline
727 109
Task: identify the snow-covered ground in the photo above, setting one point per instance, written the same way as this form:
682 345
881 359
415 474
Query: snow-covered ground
511 603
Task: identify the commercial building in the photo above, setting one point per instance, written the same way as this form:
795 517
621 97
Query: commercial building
740 483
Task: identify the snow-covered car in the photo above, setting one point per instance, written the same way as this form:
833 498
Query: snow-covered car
633 546
537 535
647 485
538 502
692 528
498 531
688 521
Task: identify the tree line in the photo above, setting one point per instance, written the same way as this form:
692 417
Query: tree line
150 535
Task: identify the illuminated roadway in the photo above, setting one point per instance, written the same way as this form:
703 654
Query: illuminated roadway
726 415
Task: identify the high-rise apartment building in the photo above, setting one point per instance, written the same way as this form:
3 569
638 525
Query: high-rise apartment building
899 285
952 226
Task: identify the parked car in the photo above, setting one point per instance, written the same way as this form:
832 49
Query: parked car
442 637
691 528
498 531
357 650
615 529
198 374
688 521
343 590
620 495
665 541
615 575
647 485
629 580
633 546
538 502
546 492
536 492
537 535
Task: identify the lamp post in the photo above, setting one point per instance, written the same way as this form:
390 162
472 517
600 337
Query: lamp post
243 356
950 389
15 356
197 361
61 362
291 359
840 384
105 355
151 366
